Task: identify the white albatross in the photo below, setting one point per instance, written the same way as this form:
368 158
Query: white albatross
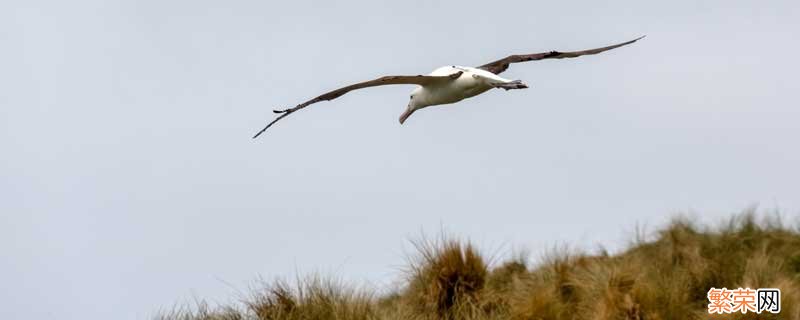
449 84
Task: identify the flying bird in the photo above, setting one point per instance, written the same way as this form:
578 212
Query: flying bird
448 84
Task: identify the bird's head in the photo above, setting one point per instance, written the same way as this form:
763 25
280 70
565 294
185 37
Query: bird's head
416 101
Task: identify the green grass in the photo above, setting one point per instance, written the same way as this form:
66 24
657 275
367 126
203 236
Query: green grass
664 278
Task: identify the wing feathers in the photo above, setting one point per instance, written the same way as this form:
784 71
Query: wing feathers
501 65
387 80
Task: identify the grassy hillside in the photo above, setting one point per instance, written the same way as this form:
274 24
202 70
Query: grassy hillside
666 278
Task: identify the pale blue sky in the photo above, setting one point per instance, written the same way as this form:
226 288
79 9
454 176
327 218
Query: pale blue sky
129 180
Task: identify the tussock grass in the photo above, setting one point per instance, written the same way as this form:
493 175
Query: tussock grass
446 279
662 276
312 298
200 312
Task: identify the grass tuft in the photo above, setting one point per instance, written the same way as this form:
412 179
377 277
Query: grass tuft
446 279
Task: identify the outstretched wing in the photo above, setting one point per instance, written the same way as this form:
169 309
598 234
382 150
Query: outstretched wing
387 80
501 65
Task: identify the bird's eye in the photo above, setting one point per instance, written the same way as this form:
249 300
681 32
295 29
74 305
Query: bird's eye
411 97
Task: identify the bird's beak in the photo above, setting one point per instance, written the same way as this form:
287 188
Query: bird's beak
407 113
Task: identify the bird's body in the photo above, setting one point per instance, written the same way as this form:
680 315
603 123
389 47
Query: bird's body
470 83
449 84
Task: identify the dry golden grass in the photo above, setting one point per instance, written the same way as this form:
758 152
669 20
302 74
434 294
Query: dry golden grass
447 278
665 278
313 298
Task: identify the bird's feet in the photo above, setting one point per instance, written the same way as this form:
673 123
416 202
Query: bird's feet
282 111
516 84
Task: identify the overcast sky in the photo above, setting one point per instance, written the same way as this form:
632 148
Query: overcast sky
129 182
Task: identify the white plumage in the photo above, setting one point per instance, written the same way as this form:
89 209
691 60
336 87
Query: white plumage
470 83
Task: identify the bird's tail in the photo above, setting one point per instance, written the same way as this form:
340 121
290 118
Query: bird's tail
516 84
406 114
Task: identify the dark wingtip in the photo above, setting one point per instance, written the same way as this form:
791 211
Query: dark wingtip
283 113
